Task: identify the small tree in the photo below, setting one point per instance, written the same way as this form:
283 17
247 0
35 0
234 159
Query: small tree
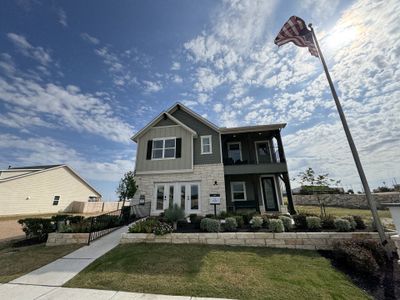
127 187
317 183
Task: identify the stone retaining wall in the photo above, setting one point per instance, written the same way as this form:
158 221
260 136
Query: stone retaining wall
346 200
295 240
57 238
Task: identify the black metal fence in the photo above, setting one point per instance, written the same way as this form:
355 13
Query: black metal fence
104 224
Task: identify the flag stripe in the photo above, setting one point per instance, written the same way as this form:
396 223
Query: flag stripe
296 31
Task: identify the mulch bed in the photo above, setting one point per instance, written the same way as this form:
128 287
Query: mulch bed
384 285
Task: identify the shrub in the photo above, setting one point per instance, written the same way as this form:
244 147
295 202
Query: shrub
342 225
247 217
360 224
230 224
195 220
60 218
313 223
354 255
127 216
144 226
287 222
328 222
276 225
210 216
75 219
192 218
256 222
300 221
162 228
353 224
37 228
173 214
239 221
210 225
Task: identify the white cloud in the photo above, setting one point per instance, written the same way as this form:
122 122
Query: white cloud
38 53
175 66
88 38
62 17
66 106
177 79
152 87
45 150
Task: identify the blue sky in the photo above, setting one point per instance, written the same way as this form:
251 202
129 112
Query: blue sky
77 79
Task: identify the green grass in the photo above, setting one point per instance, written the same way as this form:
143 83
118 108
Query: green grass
15 262
340 211
217 271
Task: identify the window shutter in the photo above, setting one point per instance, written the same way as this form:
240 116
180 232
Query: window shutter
178 147
149 148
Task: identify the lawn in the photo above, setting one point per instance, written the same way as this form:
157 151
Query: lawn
217 271
340 211
15 262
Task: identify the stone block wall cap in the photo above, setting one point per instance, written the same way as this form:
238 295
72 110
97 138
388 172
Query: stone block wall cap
391 204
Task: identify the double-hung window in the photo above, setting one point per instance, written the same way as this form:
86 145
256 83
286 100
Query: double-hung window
164 148
56 200
238 191
206 144
235 151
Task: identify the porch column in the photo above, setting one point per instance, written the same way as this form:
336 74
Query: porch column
289 195
281 152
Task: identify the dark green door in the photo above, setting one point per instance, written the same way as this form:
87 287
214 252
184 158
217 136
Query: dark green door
269 193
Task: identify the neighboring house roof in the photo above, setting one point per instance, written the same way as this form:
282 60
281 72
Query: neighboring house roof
222 130
159 118
40 169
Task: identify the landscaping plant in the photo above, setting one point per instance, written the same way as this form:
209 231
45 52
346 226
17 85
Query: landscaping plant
287 222
353 224
174 214
230 224
313 223
239 221
256 222
300 221
276 225
210 225
360 224
342 225
144 226
328 222
37 228
162 228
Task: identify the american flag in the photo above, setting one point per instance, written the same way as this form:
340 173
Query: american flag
296 31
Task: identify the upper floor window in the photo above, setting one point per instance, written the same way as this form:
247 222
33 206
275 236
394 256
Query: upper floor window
263 152
206 144
235 151
164 148
56 200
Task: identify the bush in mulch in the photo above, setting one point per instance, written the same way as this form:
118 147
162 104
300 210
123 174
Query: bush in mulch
37 228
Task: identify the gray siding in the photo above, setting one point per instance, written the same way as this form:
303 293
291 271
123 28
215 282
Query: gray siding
201 129
252 187
182 163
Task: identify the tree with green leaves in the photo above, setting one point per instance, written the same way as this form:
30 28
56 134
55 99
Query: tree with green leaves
316 184
127 186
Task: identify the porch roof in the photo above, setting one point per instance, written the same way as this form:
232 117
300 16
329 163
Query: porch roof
256 128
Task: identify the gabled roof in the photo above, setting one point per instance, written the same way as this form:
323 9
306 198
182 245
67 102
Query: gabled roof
159 118
195 115
40 169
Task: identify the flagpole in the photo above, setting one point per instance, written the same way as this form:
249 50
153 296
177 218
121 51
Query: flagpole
353 148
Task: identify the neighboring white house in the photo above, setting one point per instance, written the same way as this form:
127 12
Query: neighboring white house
42 189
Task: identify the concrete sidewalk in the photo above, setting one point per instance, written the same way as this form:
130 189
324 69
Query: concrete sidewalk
63 269
33 292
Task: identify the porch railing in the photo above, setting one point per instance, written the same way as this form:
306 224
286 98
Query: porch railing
104 224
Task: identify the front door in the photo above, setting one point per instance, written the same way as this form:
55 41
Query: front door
269 193
184 194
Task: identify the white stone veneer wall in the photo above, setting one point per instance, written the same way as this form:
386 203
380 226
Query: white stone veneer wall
206 175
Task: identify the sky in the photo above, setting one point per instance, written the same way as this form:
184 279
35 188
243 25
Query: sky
79 78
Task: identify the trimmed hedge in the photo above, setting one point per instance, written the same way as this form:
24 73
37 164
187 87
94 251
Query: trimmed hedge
210 225
37 228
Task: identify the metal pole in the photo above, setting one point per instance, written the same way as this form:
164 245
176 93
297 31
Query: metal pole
353 148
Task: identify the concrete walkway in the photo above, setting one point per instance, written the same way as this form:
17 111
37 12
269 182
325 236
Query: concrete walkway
46 282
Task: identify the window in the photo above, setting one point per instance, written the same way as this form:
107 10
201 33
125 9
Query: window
263 152
56 200
164 148
234 151
206 145
238 190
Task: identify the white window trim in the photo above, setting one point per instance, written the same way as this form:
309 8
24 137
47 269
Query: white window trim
163 148
240 148
269 146
202 144
244 190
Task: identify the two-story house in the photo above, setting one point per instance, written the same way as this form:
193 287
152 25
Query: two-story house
183 158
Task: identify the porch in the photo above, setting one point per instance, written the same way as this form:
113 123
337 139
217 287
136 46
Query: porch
259 192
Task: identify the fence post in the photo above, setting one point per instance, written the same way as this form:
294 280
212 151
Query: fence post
90 230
